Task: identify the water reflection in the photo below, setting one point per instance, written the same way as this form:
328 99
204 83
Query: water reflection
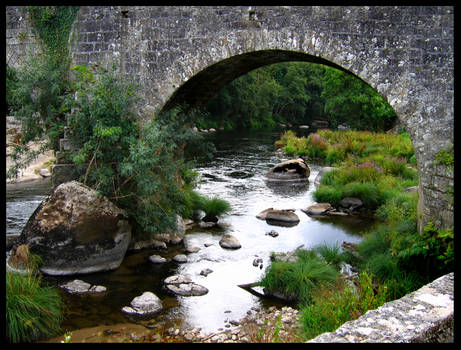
236 174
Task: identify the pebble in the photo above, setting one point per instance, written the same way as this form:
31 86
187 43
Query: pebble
244 330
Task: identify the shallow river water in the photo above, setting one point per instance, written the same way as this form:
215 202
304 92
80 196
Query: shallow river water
236 174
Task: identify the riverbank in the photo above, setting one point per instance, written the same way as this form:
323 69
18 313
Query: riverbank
271 325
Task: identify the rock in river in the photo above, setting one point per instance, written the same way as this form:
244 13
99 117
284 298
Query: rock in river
293 170
318 209
147 303
229 242
183 285
81 287
157 259
75 230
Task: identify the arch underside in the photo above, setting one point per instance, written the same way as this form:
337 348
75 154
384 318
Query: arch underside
199 89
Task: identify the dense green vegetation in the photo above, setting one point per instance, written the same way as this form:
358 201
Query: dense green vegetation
298 93
393 259
34 310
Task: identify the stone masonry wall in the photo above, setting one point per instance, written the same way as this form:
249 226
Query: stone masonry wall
19 35
187 53
424 316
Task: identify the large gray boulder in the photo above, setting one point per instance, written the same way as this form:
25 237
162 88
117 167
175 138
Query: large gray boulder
75 230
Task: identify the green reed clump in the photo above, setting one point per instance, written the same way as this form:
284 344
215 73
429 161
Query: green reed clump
33 310
331 253
296 280
333 305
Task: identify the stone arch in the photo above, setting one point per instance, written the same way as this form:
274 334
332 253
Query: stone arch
406 53
399 86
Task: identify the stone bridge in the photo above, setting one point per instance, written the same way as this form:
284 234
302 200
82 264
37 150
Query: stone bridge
186 54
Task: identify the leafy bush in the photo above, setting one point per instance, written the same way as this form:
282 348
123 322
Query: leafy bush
430 253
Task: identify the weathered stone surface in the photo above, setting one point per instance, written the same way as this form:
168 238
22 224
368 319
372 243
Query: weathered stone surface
292 170
426 315
157 259
192 249
147 303
180 258
317 209
272 233
406 53
351 203
262 215
229 242
206 272
276 216
81 287
183 285
75 230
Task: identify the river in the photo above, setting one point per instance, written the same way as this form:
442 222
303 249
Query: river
235 174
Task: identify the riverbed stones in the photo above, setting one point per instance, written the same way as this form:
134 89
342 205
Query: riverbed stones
317 209
81 287
206 272
157 259
229 242
287 217
272 233
180 258
160 240
192 249
75 230
351 203
147 303
183 285
293 170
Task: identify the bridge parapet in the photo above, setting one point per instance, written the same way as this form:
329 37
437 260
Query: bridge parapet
424 316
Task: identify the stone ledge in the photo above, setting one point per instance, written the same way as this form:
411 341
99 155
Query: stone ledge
426 315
